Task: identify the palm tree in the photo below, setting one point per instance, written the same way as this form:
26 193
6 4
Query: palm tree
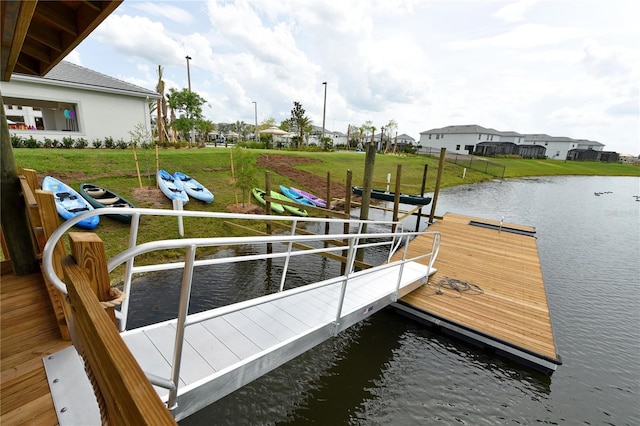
159 108
301 121
172 101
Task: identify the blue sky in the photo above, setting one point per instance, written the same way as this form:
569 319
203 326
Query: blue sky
560 67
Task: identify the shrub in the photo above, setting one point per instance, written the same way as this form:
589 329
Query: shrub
67 142
48 143
97 143
122 144
32 143
16 141
80 143
327 143
108 142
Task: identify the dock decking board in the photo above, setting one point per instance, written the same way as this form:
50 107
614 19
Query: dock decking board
513 304
29 332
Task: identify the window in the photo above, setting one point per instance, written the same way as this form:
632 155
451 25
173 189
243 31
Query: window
442 136
437 136
546 143
457 147
429 135
479 136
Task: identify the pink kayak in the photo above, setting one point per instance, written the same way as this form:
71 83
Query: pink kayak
315 200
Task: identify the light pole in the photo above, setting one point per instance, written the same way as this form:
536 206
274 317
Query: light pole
255 111
188 72
191 136
324 109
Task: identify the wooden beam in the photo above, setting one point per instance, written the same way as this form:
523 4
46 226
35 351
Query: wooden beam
17 17
57 15
88 250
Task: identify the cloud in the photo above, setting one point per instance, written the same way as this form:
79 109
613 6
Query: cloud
525 36
74 57
140 37
515 11
164 10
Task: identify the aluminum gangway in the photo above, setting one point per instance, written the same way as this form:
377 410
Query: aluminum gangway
196 359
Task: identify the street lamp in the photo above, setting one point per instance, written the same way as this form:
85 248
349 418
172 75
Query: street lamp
191 135
255 131
324 109
188 72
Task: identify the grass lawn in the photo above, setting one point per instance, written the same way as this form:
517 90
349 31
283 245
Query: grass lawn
116 170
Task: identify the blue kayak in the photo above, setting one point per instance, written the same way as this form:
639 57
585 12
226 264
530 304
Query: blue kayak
69 203
192 187
168 186
298 198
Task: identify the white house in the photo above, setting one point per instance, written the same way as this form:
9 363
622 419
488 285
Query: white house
559 146
77 102
464 139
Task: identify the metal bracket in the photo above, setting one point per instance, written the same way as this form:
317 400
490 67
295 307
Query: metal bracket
72 393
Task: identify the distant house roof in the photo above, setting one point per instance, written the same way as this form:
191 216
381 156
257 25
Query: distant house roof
405 136
72 75
470 128
541 137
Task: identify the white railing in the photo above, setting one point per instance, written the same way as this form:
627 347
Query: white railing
355 241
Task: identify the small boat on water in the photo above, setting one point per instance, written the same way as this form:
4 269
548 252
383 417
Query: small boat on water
100 197
192 187
315 200
378 194
69 202
259 195
298 198
291 209
168 186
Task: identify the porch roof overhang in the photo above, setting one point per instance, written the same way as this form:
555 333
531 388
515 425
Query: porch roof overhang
37 35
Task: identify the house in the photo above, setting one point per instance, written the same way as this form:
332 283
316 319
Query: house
73 101
474 139
463 139
558 147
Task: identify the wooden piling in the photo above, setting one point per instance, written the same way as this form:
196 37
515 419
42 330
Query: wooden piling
443 152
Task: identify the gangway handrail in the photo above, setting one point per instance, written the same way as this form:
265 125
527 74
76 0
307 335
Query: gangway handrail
356 242
136 213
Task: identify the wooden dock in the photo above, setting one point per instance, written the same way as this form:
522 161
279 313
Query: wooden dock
29 332
488 289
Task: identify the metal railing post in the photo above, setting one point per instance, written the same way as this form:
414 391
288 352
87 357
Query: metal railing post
124 307
286 259
183 310
404 258
343 290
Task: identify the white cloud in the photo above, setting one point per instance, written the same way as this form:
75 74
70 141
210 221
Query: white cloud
525 36
165 10
515 11
528 66
74 57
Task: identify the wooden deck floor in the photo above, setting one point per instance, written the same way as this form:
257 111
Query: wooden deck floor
509 302
29 332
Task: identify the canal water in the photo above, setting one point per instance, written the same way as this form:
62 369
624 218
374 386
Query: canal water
390 370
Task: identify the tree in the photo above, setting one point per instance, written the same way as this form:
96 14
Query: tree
299 120
245 173
161 107
189 105
391 128
204 128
